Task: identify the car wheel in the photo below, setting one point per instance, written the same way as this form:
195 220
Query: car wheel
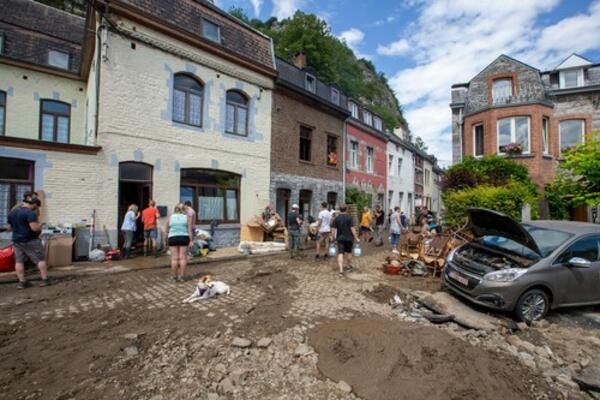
532 305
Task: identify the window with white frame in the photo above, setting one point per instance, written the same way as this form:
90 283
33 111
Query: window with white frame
545 145
353 109
354 155
513 130
335 96
501 89
210 30
570 78
370 154
427 176
571 133
399 166
58 59
478 140
311 83
377 123
391 164
367 117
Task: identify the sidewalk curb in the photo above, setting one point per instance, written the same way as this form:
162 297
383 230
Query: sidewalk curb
117 269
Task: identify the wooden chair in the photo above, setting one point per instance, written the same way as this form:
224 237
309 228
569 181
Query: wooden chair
435 251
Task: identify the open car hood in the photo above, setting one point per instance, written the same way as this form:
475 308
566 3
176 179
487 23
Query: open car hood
484 222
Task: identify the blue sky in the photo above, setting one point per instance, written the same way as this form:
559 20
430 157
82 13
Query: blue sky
424 46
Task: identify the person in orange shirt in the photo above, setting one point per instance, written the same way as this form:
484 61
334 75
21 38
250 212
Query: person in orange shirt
150 217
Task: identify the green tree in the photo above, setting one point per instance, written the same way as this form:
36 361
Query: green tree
420 143
358 197
332 59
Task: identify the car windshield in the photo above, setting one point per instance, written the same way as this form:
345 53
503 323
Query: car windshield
546 239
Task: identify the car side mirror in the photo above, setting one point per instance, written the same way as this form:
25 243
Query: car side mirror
579 262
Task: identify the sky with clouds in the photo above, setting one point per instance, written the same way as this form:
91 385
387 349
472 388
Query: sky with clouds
424 46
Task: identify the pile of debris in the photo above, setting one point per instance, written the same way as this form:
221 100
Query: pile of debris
264 228
394 265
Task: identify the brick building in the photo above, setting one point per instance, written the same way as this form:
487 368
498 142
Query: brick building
366 158
307 140
140 102
512 102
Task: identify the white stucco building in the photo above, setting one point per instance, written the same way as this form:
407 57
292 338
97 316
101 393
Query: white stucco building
401 175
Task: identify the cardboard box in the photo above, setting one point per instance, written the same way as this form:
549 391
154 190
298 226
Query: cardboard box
251 234
59 251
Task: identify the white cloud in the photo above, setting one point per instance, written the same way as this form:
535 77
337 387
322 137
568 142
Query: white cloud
396 48
354 38
452 40
285 8
256 6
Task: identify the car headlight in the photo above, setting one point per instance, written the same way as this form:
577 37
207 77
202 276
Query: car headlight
450 255
505 275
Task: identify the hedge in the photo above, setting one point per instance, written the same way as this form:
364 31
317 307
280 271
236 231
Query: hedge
507 199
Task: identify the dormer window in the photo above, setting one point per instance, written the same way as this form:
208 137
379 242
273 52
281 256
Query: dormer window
58 59
335 96
571 78
210 30
311 83
501 89
367 117
353 109
377 123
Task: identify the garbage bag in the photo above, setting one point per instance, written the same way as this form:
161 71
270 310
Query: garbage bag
97 255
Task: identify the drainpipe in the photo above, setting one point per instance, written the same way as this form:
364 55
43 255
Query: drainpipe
99 43
344 140
460 133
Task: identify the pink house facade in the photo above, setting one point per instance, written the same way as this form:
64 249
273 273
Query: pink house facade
366 159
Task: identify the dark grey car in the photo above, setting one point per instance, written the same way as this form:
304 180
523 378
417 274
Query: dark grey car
526 268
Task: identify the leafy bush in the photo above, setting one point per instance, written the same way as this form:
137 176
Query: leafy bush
581 172
488 170
507 199
358 197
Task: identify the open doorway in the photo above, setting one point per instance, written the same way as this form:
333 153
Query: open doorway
135 187
282 203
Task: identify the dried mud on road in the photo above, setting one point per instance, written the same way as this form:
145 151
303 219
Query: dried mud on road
288 330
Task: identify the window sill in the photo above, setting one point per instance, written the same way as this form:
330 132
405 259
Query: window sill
547 156
236 134
185 124
335 167
306 162
12 141
525 155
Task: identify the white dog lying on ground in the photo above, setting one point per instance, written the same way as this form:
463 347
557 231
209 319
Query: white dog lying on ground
206 289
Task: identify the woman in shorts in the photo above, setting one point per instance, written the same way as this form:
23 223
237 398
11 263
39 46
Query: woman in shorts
179 233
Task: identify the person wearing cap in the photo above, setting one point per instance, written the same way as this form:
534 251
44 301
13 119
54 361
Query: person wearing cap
294 224
24 223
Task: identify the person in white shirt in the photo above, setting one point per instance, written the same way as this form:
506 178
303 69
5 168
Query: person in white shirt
324 229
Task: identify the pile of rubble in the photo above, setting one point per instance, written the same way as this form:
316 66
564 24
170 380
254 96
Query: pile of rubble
569 372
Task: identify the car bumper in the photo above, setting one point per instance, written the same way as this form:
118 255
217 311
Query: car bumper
500 296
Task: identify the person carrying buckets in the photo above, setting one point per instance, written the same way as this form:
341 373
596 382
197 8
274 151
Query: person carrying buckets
344 232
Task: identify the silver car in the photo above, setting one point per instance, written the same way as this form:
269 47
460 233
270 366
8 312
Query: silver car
527 268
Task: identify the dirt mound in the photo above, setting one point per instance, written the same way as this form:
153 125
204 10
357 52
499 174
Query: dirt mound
267 316
384 359
381 293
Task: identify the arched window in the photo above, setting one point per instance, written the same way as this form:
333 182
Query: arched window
237 113
55 121
187 100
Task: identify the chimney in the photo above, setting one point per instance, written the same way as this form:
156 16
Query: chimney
299 60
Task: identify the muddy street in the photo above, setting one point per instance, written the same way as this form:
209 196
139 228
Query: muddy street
288 330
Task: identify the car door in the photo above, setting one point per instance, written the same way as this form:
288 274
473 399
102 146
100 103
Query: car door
579 285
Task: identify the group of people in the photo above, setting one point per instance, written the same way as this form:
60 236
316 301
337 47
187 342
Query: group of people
329 227
179 233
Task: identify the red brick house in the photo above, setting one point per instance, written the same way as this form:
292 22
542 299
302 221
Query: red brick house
366 156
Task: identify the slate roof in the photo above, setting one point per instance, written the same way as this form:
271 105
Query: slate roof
30 29
187 15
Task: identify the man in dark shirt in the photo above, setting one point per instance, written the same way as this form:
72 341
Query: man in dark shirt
379 222
25 227
294 224
345 233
